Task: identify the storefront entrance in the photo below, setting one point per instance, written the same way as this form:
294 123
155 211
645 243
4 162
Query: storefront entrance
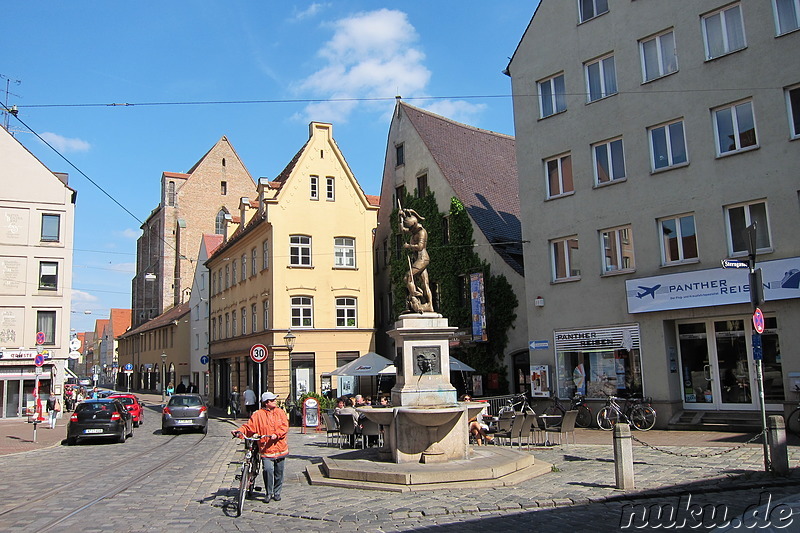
717 366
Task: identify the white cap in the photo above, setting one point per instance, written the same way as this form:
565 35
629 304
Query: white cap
268 396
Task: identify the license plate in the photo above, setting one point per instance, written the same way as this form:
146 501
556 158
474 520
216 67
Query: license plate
96 430
183 421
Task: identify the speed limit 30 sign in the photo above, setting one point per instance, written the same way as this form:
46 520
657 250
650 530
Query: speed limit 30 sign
259 353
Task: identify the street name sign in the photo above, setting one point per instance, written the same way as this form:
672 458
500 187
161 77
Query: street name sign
734 263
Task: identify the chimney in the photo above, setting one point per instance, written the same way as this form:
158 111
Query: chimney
263 185
244 205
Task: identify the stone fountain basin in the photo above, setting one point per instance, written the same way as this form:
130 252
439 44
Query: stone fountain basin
379 415
430 416
473 408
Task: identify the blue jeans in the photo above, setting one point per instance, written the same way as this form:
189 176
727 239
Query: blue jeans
273 475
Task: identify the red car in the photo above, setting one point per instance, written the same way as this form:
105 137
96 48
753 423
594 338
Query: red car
132 404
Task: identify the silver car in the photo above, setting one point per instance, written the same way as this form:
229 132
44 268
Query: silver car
184 411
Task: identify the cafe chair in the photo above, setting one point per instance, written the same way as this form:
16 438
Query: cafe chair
370 429
348 428
331 429
535 427
567 427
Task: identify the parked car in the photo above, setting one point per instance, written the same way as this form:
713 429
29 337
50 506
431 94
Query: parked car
106 418
184 411
132 404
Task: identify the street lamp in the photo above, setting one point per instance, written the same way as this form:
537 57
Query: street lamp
164 375
288 341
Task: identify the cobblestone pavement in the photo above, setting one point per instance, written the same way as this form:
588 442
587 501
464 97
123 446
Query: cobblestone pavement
195 489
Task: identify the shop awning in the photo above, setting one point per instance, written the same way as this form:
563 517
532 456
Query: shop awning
70 372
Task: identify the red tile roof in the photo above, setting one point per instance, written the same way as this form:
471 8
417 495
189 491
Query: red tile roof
161 320
212 241
120 320
373 199
481 167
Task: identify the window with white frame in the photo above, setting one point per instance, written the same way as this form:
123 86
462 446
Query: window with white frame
48 275
558 172
219 222
266 314
254 317
228 325
678 239
735 127
344 252
214 283
244 268
793 105
738 218
51 228
314 188
213 328
564 260
617 249
552 96
601 78
609 161
588 9
300 250
233 272
302 312
787 15
723 31
346 313
265 255
233 323
244 321
253 256
667 145
330 191
227 276
659 56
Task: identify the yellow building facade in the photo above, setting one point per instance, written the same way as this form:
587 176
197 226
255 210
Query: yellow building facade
298 257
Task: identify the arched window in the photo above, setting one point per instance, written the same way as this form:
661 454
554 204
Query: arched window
219 228
171 193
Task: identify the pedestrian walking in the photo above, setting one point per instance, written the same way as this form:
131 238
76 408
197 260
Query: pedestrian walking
53 408
181 388
233 406
249 401
170 389
272 424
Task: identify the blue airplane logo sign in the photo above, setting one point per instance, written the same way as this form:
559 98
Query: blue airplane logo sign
648 291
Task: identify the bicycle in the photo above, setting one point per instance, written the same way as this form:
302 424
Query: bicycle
251 468
578 403
516 404
635 411
793 420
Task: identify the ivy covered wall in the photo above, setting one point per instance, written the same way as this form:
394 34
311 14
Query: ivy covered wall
453 259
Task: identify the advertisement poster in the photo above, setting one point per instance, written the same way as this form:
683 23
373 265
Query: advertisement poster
540 381
477 385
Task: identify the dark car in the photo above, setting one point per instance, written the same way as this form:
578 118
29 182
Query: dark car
106 418
132 403
184 411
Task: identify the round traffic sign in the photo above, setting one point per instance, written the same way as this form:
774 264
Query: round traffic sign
40 337
74 354
203 359
259 353
758 320
128 366
38 360
74 344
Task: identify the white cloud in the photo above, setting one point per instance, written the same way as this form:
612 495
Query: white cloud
127 268
79 296
371 55
458 110
311 11
65 144
130 233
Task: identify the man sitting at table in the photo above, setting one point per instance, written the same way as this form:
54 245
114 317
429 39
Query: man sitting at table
477 427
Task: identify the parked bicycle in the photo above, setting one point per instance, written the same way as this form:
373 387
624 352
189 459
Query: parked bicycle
251 468
793 420
634 411
578 403
516 404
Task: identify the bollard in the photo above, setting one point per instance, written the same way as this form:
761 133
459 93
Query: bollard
776 437
623 456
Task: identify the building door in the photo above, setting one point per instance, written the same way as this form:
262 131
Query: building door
717 366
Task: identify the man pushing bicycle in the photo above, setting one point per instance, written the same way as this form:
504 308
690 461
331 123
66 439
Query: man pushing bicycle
272 424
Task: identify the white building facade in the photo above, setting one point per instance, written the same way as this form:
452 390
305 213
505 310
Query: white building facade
649 136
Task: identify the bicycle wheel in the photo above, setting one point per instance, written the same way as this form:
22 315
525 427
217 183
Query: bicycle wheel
607 418
793 422
554 410
643 417
243 484
251 485
584 419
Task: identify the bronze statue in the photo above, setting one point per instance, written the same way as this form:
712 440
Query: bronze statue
419 299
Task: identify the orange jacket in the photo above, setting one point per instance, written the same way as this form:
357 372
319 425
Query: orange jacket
269 422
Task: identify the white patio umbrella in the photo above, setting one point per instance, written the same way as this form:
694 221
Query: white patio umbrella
455 366
369 364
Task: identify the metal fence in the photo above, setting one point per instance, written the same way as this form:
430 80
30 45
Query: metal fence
496 402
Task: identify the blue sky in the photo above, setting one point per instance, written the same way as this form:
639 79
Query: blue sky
180 53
